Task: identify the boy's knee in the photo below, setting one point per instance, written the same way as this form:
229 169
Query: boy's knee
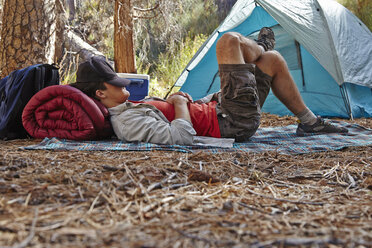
228 40
271 62
275 56
228 48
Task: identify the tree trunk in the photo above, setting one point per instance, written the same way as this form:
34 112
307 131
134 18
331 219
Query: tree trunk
60 31
71 5
224 7
1 16
123 37
28 34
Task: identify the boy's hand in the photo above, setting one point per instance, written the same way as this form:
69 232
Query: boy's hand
180 102
177 99
180 93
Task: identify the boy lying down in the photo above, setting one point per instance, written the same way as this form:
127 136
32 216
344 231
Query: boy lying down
248 69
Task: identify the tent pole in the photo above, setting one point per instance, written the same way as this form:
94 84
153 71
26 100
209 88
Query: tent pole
345 97
211 84
170 90
298 48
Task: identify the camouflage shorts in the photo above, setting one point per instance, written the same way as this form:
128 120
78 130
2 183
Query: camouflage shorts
244 88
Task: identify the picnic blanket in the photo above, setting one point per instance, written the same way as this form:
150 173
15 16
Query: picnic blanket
280 139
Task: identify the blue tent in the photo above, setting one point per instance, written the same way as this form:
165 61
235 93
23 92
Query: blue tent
328 51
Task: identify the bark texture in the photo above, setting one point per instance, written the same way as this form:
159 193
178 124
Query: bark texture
1 15
123 37
61 22
71 6
28 34
224 7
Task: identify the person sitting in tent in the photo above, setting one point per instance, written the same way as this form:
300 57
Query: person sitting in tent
248 69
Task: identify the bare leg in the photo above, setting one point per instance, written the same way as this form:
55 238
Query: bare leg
283 85
233 48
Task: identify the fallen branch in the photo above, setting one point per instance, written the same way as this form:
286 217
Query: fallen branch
76 44
146 10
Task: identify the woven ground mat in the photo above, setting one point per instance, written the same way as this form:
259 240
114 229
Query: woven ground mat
279 139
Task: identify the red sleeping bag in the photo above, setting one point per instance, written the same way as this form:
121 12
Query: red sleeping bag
65 112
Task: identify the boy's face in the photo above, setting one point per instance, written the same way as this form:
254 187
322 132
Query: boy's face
113 95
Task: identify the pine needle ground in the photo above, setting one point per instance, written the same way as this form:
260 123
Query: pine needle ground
169 199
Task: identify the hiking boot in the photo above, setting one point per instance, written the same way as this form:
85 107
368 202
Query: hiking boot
319 127
266 38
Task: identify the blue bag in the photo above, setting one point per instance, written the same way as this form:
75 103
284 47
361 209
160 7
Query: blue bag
16 90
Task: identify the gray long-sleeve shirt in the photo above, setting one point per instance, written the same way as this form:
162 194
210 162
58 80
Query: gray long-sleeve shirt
145 123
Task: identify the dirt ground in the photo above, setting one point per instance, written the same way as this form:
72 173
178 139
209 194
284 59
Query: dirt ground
170 199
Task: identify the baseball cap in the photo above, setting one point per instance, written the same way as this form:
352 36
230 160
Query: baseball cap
97 69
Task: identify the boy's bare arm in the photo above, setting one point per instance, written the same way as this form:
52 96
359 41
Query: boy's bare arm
180 106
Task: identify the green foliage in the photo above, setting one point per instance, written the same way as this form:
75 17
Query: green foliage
95 23
166 43
202 18
68 70
171 63
68 76
166 37
173 21
361 8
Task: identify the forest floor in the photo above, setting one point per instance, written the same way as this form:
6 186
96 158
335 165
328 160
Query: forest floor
171 199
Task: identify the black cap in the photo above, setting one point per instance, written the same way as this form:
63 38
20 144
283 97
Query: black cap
97 69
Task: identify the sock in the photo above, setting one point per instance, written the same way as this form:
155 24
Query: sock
307 117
